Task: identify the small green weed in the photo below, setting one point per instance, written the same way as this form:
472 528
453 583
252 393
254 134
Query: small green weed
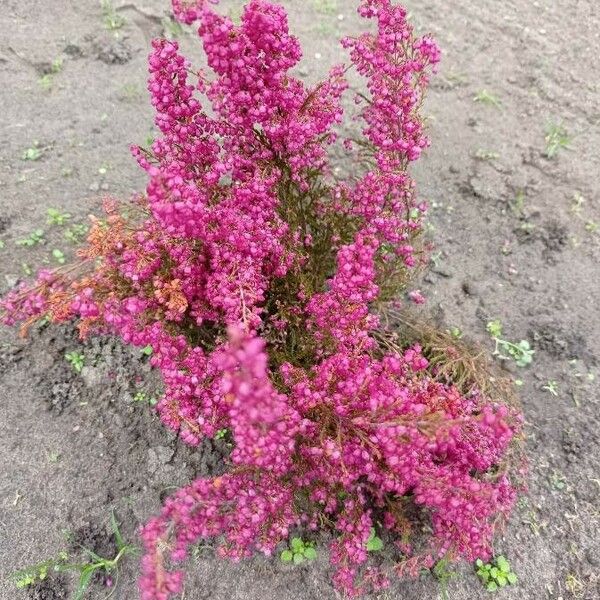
56 217
325 7
482 154
34 238
76 233
221 434
111 18
495 574
520 352
171 28
442 572
374 543
59 256
86 570
147 350
76 360
485 97
33 153
557 138
145 398
551 387
299 551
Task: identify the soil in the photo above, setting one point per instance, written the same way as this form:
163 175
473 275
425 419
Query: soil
515 236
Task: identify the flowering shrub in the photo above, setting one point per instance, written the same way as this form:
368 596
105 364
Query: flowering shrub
254 273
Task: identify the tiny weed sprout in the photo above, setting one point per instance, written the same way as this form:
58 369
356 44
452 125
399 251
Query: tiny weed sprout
551 387
34 238
299 551
443 572
495 574
485 97
106 567
262 283
59 256
521 352
33 153
111 18
76 233
56 217
76 360
374 542
557 138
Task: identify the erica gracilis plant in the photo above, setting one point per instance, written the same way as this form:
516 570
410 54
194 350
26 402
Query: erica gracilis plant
258 277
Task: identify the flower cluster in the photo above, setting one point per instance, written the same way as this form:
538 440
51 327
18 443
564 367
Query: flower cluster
254 274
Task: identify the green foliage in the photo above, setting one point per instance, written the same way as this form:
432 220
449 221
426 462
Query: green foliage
374 543
56 217
299 551
111 18
147 350
441 571
557 138
34 152
145 398
59 256
495 574
221 434
86 570
485 97
172 29
76 233
551 387
520 352
76 360
34 238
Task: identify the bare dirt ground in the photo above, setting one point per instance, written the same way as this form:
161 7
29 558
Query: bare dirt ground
517 239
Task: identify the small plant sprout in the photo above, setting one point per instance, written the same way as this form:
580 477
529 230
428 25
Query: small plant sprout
374 543
482 154
495 574
106 567
111 18
76 233
558 481
34 238
59 256
172 29
147 350
2 244
56 217
33 153
299 551
76 360
577 204
221 434
591 226
520 352
455 332
485 97
144 398
557 138
47 79
444 574
325 7
518 204
551 387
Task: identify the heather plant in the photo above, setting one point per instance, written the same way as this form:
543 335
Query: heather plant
263 285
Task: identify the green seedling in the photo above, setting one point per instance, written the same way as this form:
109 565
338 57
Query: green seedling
147 350
558 481
455 332
325 7
485 97
442 572
221 434
577 204
374 543
33 153
144 398
27 269
591 226
171 28
86 570
482 154
299 551
56 217
59 256
111 18
520 352
518 204
76 233
47 79
34 238
495 574
557 138
76 360
2 244
551 387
